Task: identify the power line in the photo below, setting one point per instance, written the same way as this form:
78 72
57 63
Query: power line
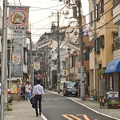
41 20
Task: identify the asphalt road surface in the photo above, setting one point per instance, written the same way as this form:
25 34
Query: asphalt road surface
56 107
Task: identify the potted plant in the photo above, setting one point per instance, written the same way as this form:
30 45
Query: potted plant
113 105
116 104
109 103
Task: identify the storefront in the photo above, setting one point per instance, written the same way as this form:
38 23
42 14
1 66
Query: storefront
113 69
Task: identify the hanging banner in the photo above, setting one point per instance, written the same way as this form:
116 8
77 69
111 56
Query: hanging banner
15 58
18 18
77 64
36 66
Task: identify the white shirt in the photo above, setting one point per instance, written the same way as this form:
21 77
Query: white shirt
38 89
28 88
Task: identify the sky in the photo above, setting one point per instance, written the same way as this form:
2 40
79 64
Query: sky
41 14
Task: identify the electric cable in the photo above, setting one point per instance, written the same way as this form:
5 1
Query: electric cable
41 20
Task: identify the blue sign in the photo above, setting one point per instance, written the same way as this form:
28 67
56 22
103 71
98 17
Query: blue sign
82 74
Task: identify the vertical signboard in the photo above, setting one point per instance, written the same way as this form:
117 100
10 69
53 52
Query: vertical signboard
77 64
15 58
82 73
36 66
18 18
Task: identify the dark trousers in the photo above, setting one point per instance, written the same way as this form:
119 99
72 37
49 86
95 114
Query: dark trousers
38 99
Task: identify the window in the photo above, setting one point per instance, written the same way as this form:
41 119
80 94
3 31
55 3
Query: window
99 43
101 6
115 2
72 61
8 54
97 46
91 18
64 65
97 15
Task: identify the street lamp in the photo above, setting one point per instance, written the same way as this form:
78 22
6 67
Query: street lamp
68 50
74 53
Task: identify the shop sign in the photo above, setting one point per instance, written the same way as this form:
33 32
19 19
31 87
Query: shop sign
18 18
77 64
15 58
36 66
112 95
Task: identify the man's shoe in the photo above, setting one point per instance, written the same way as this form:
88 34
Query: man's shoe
37 115
40 113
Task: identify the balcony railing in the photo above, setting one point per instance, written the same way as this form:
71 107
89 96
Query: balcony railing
116 13
116 44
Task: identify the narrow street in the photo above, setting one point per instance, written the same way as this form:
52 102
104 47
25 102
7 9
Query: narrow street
57 107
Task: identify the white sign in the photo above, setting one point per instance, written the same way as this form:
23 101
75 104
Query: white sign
36 66
15 58
112 95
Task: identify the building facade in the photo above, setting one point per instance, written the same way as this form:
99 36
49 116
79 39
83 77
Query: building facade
103 32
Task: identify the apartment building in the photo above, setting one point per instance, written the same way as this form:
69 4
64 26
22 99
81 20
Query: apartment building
102 33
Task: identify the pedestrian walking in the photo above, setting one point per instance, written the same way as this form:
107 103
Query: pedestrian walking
22 94
102 102
28 90
38 93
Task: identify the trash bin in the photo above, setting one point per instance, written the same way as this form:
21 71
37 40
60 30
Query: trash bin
93 97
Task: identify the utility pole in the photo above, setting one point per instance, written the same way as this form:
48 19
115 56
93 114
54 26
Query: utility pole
58 72
95 34
31 62
4 59
10 64
81 52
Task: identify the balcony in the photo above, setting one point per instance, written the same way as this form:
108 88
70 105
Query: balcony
74 45
116 14
116 44
116 48
53 67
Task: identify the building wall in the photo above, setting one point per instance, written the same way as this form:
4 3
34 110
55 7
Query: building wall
91 31
106 54
92 60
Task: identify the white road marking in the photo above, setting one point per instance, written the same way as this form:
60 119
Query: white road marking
55 99
44 118
94 110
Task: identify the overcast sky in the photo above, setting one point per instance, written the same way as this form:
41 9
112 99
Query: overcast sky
40 15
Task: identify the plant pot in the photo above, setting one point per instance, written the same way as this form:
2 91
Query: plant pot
116 105
109 105
113 106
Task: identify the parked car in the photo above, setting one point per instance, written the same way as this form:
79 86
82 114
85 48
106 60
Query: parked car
9 95
70 88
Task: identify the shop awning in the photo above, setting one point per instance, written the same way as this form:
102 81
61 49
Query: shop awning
113 66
